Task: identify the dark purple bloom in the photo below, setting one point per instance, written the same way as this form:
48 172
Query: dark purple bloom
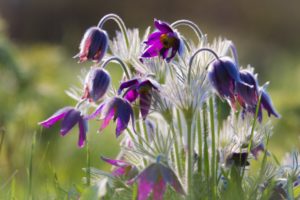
155 178
93 45
70 117
140 88
257 149
164 42
117 109
238 159
96 84
123 169
224 76
247 95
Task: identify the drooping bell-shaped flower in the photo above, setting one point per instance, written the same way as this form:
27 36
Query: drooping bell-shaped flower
141 88
70 117
223 74
247 96
97 82
116 108
93 45
123 168
164 42
155 178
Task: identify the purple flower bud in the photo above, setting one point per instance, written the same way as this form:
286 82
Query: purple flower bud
96 84
70 117
155 178
223 75
93 45
164 42
238 159
117 109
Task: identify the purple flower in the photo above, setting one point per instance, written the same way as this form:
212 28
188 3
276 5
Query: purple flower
96 84
70 117
164 42
123 169
267 104
155 178
247 96
224 76
115 108
93 45
140 88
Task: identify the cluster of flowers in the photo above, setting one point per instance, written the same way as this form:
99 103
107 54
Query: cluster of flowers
172 82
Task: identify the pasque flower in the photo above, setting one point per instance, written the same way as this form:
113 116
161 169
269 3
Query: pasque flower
248 96
70 117
164 42
96 84
123 168
155 178
139 88
116 108
224 76
93 45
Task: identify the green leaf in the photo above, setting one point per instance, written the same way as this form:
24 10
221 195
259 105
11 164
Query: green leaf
296 191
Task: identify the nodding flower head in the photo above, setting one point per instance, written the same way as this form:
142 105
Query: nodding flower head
223 74
140 88
93 45
164 42
117 109
246 95
267 104
123 168
155 178
70 117
97 82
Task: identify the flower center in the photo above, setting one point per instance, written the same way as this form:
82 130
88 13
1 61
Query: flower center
167 40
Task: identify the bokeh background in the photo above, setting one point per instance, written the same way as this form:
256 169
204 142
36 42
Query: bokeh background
38 39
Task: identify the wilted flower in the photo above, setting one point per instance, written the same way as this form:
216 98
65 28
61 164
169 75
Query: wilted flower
117 109
224 76
93 45
123 168
96 84
70 117
155 178
164 42
143 89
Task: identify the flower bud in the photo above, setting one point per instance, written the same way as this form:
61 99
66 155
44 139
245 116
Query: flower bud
96 84
93 45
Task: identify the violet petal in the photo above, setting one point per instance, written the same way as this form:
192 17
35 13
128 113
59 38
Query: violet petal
55 117
69 121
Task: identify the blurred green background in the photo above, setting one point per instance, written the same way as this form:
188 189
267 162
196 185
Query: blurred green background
38 39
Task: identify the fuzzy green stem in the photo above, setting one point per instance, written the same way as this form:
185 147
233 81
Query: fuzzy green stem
190 153
177 155
30 168
180 136
206 150
88 163
122 64
119 22
193 57
199 131
213 148
192 25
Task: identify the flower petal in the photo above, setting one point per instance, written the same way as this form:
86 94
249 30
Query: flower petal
55 117
153 50
127 84
107 118
146 180
118 163
159 189
153 37
69 121
162 26
123 114
83 128
131 95
145 103
171 178
267 104
96 112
